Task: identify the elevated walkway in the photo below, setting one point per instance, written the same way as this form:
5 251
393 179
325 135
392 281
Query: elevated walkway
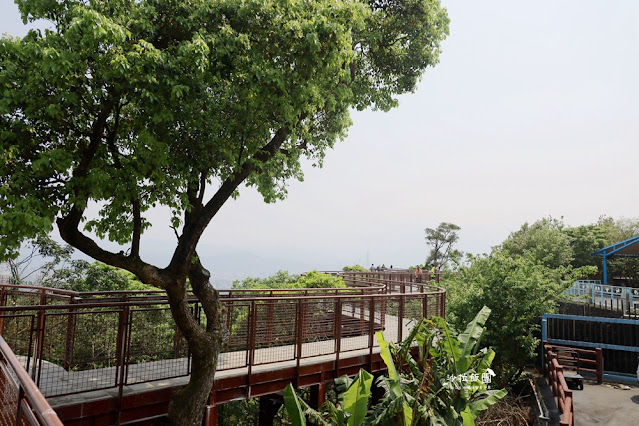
118 358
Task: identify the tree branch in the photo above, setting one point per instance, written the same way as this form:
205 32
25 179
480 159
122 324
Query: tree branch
179 304
203 175
69 224
68 227
195 226
137 228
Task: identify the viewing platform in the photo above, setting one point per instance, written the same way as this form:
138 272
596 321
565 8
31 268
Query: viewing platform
118 358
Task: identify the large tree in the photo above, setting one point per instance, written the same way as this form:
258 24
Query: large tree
134 104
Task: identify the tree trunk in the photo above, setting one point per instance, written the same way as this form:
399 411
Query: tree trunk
188 405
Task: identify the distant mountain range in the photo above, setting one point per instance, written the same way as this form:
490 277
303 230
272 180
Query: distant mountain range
225 264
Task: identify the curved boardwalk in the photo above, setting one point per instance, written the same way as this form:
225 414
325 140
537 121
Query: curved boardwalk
116 357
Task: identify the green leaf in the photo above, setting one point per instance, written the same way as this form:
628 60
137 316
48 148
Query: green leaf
492 397
357 396
293 407
388 360
470 337
486 361
473 332
405 346
468 417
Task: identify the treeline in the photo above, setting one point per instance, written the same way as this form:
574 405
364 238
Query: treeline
282 279
553 244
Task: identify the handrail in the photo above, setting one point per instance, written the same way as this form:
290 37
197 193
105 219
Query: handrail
353 275
560 390
30 401
596 353
371 280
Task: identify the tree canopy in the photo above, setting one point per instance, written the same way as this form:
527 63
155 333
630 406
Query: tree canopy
135 104
138 104
81 275
543 242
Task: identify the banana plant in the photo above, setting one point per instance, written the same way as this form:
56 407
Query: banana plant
350 411
445 383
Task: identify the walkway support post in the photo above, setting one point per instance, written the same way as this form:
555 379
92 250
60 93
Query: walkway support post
599 359
318 394
269 406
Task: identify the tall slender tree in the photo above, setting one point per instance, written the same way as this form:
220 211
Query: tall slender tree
135 104
441 241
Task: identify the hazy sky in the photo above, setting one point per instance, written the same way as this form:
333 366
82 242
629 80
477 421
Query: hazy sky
532 111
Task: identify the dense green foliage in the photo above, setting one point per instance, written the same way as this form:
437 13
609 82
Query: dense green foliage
282 279
549 242
446 383
518 290
544 242
84 276
316 279
239 412
585 240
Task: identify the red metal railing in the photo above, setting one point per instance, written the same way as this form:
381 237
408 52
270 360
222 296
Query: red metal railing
72 342
589 360
554 370
560 388
21 401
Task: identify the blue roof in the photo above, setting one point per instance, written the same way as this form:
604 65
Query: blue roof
626 248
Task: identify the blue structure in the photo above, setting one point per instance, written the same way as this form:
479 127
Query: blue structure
610 375
626 248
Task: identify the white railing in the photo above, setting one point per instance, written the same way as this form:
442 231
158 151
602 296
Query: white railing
598 292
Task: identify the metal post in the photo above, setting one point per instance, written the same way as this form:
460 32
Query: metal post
338 334
121 362
371 333
424 304
18 421
544 338
599 358
251 352
70 338
37 361
3 302
443 296
400 331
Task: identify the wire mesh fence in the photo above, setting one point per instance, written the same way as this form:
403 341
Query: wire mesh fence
78 343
